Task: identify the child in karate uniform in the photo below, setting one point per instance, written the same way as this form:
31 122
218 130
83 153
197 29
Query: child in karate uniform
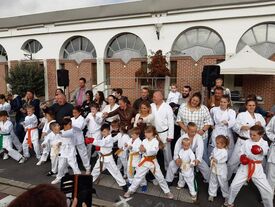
134 157
174 96
93 121
6 128
78 123
270 132
106 160
67 155
149 148
253 152
186 163
122 138
31 139
52 142
218 175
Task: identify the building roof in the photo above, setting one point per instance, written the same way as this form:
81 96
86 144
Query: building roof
116 10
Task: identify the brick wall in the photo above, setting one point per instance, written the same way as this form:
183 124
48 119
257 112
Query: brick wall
3 84
52 79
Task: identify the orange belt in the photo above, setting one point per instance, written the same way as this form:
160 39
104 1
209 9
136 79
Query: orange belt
102 161
251 167
118 152
131 162
29 136
148 159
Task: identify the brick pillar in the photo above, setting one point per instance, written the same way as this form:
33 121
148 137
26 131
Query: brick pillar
52 77
3 72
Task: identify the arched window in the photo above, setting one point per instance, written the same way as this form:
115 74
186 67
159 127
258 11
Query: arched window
198 42
126 46
32 46
78 48
3 54
260 38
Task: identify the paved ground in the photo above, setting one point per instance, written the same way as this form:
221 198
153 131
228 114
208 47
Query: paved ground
31 175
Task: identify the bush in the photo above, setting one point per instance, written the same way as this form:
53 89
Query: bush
27 76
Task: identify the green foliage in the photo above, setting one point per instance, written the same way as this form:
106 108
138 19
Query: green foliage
27 76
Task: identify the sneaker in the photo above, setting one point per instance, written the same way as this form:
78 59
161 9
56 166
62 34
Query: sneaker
6 156
144 188
128 194
169 195
179 187
225 202
55 181
125 188
51 173
194 198
40 162
210 198
22 160
155 182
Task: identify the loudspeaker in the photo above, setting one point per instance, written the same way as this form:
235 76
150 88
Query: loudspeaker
63 77
209 74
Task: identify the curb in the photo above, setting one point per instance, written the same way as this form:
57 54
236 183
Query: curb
14 183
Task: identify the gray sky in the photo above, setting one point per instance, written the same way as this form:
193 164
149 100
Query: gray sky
23 7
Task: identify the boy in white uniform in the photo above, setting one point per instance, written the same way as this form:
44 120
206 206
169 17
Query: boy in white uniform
186 163
218 175
67 154
31 139
6 128
78 123
252 153
174 96
106 160
270 132
197 147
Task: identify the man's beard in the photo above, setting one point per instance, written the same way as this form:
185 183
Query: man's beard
185 95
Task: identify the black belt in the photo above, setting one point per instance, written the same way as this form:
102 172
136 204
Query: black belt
163 131
243 138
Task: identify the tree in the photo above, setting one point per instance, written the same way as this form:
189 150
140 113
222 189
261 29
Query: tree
27 76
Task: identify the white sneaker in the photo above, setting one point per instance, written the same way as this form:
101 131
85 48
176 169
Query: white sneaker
6 156
169 195
55 181
179 187
155 182
194 198
210 198
22 160
40 162
128 194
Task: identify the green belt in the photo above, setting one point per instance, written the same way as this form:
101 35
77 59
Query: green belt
1 140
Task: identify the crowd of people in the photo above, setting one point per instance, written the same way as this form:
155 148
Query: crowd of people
151 139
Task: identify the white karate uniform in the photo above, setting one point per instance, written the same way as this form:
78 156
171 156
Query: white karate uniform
107 160
5 107
243 119
164 123
46 150
78 125
52 140
133 147
174 97
67 154
218 175
5 130
270 132
152 148
93 126
108 109
218 116
258 177
31 124
187 171
197 147
122 154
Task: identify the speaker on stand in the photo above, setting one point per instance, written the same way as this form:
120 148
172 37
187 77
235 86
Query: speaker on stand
209 74
63 78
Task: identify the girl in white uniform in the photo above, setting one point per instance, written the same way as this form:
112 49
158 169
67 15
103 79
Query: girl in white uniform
67 154
270 132
106 160
218 175
186 163
223 119
252 154
31 139
78 123
244 121
5 138
122 138
93 121
134 157
149 148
